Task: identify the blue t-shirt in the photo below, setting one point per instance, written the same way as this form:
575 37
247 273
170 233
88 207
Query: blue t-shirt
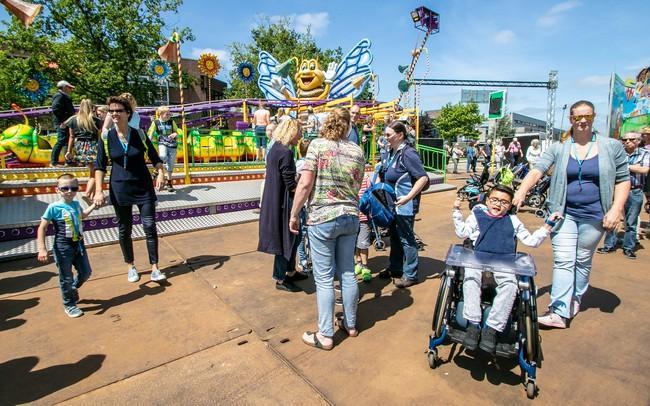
66 219
401 170
583 197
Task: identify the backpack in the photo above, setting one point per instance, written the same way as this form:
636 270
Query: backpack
378 203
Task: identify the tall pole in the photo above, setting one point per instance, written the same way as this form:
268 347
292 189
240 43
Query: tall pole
186 167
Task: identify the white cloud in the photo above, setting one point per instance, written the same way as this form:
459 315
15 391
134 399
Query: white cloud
594 80
555 13
316 23
504 37
222 55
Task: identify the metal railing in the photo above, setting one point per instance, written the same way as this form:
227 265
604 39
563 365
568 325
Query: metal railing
434 159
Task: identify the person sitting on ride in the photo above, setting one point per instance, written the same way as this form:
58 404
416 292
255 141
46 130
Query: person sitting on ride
493 230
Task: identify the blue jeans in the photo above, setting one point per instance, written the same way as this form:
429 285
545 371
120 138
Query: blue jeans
332 250
632 210
574 243
67 255
168 156
302 254
403 248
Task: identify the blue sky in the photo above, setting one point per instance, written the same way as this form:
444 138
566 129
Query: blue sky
493 40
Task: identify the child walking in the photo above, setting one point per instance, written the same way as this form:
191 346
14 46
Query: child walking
167 132
493 230
68 248
363 239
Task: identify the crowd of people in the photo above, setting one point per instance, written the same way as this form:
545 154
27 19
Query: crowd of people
310 207
512 154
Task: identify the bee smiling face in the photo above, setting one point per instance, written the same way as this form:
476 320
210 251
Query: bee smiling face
310 76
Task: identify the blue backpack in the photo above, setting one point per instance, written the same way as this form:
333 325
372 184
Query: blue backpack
378 203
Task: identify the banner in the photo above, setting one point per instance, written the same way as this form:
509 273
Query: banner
629 104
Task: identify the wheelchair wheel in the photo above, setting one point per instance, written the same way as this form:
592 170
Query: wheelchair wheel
442 303
531 390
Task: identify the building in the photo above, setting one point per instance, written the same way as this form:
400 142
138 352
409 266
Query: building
197 92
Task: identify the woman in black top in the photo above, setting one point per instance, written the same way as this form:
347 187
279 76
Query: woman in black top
130 183
84 130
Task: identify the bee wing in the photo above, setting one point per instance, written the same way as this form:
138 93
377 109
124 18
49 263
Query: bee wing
267 69
355 63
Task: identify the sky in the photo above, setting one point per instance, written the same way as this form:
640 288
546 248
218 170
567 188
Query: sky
584 40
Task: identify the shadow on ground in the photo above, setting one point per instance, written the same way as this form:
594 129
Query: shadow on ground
595 298
10 308
21 384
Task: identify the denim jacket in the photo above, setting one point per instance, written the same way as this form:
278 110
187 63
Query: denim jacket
612 167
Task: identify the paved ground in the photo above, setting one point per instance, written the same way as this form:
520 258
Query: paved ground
218 332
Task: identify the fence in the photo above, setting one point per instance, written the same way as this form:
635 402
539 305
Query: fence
434 159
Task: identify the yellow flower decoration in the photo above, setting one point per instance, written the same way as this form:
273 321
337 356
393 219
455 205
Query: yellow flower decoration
209 64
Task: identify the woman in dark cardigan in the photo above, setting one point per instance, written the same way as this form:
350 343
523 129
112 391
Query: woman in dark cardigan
279 186
130 183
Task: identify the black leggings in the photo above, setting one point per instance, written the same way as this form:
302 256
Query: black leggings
125 226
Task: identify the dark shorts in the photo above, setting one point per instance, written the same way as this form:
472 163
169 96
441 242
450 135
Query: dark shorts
260 136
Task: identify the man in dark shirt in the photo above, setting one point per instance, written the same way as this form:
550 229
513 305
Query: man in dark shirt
62 109
353 135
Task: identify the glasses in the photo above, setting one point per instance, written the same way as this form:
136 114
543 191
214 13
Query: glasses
501 202
116 111
69 188
588 117
628 139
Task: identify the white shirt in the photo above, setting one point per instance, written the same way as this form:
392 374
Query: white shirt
469 228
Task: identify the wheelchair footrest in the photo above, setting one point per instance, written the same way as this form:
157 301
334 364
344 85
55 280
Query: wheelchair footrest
504 350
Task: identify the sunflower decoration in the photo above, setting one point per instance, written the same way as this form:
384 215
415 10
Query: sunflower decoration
36 87
246 72
159 69
209 64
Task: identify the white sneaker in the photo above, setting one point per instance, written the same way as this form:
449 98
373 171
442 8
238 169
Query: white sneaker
575 307
551 319
133 275
73 311
157 276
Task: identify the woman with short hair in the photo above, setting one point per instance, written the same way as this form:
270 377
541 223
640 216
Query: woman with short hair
330 179
279 186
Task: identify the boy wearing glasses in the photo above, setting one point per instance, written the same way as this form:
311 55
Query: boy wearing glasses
493 230
68 248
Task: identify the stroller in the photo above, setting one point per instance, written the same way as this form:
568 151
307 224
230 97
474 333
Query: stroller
519 340
536 196
475 186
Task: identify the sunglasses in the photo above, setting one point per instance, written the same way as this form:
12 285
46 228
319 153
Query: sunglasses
628 139
501 202
588 117
117 111
69 188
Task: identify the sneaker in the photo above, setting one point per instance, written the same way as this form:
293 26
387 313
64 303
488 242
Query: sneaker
404 283
287 286
606 250
357 269
551 319
629 254
366 275
488 340
157 276
133 275
575 307
471 336
73 311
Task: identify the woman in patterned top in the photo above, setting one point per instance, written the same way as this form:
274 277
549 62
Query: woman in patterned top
82 143
331 178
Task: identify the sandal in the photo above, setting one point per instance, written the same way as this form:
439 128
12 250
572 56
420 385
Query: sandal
316 343
340 323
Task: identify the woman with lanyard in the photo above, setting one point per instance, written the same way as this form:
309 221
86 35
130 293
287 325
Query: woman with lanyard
402 169
589 186
130 183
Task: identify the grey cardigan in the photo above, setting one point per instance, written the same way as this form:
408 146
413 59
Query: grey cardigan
612 167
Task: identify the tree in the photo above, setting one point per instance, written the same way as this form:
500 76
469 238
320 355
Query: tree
504 127
281 41
100 47
459 119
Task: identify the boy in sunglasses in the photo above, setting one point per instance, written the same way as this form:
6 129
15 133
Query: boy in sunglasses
68 248
493 229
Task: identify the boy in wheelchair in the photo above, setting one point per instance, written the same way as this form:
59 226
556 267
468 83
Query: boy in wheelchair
493 229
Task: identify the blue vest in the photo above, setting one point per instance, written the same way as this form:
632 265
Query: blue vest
501 237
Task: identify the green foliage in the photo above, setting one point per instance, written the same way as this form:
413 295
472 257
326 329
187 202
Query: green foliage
100 47
459 120
504 127
281 41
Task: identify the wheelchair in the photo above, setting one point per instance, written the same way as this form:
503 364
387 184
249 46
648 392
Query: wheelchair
520 339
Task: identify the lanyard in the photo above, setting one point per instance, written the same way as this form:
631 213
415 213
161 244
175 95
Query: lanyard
125 146
581 161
